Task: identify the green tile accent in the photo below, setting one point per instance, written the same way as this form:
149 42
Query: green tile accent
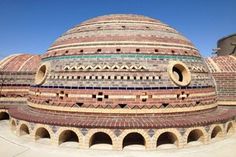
137 56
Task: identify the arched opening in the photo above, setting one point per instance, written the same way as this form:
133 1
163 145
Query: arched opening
134 141
24 130
41 74
230 128
216 132
13 125
68 137
42 133
179 73
4 116
195 137
167 140
100 140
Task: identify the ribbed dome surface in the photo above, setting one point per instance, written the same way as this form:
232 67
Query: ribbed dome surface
20 63
121 33
123 62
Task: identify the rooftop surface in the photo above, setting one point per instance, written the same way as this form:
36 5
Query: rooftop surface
25 147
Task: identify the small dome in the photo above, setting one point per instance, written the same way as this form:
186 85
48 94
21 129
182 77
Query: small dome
223 69
20 63
17 74
221 63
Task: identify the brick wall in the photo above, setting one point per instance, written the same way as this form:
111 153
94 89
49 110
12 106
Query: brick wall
226 85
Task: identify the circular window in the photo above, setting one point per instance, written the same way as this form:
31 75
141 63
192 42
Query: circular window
179 73
41 74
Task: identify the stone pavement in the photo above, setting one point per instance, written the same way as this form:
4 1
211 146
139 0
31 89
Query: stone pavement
13 146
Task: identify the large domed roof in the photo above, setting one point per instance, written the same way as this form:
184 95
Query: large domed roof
98 63
129 78
121 33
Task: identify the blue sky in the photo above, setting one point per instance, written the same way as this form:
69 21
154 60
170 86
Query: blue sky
30 26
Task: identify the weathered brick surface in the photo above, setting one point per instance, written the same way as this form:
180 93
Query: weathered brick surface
113 76
122 120
226 85
113 73
21 63
223 69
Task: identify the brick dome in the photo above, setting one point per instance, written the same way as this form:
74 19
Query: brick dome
20 63
17 74
133 34
223 69
122 80
127 63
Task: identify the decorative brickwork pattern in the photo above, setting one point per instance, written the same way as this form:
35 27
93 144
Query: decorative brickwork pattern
118 80
223 69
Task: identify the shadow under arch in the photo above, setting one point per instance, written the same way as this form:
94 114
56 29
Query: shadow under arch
100 138
24 130
216 132
13 125
68 135
195 135
133 138
167 138
4 116
230 128
42 133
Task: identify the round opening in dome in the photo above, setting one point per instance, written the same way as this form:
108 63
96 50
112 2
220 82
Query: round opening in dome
179 73
41 74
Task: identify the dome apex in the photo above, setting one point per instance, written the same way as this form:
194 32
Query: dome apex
121 33
121 17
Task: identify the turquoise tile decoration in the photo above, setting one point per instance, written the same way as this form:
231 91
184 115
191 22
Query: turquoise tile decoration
136 56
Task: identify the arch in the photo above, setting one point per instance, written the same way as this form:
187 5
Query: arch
115 67
4 115
167 138
229 128
73 68
81 67
42 133
97 67
24 130
66 68
142 67
89 67
42 73
195 135
133 138
106 67
68 135
179 73
133 67
125 67
13 125
91 138
100 138
216 132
